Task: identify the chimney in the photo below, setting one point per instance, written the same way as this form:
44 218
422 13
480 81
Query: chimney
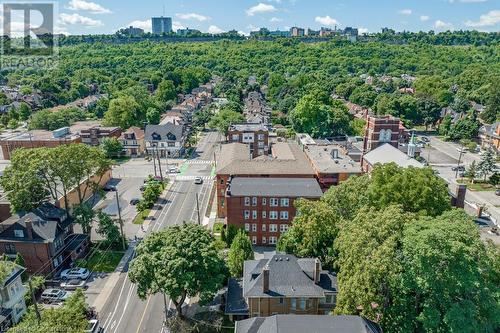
317 270
460 196
265 277
29 228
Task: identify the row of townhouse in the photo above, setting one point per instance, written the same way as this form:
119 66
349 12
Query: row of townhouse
168 138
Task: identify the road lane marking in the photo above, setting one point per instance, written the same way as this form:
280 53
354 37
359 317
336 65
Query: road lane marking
143 314
119 297
130 291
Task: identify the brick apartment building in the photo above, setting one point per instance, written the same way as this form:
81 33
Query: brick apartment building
256 136
264 207
282 284
44 237
286 160
36 139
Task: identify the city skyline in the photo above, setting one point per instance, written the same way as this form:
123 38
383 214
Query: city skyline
108 16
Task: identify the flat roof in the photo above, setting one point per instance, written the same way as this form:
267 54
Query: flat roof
35 135
321 156
278 187
248 127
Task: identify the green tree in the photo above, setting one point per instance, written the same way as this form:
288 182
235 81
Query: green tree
347 198
416 190
180 261
153 116
166 92
240 250
445 126
112 147
124 112
492 112
487 164
429 112
83 215
107 228
24 111
313 232
225 118
471 172
465 128
20 261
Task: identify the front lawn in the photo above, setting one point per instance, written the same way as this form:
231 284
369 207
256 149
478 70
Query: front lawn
139 218
101 261
477 185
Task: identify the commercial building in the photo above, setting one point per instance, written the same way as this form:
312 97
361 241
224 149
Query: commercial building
161 25
384 129
331 162
387 153
167 140
256 136
12 302
282 284
297 32
307 323
36 139
264 206
133 142
92 132
132 31
286 160
44 237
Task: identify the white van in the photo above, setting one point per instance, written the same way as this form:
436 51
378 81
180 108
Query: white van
55 295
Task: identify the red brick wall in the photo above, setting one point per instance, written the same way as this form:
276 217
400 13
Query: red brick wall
11 145
35 255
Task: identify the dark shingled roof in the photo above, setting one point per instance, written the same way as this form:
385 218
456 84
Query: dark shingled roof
235 303
163 130
307 323
281 187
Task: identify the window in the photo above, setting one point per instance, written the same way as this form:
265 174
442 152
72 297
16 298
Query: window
293 303
329 299
303 303
236 137
247 201
254 240
272 240
273 227
246 214
254 201
264 214
273 202
284 215
263 227
18 233
171 144
283 227
10 249
254 214
273 215
254 227
261 144
285 202
263 240
281 300
222 181
247 227
264 201
260 137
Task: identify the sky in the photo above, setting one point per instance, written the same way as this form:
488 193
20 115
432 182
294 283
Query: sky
214 16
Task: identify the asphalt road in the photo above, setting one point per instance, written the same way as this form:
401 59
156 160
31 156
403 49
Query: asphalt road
124 312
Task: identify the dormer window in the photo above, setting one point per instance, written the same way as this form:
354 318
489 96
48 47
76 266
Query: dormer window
19 233
171 137
156 136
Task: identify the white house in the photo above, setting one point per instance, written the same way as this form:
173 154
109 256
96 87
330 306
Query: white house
12 294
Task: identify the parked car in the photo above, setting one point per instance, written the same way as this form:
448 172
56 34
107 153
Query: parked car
73 284
497 192
134 201
55 295
198 180
93 327
459 168
109 187
173 170
425 139
75 273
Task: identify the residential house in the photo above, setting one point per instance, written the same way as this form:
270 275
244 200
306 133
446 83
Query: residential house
167 140
255 135
490 136
307 323
282 284
12 302
264 207
286 160
44 237
133 142
387 153
12 140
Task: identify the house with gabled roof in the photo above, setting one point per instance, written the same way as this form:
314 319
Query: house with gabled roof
282 284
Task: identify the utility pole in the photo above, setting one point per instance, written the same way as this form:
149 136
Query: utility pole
459 158
198 208
120 219
33 298
154 161
159 164
165 305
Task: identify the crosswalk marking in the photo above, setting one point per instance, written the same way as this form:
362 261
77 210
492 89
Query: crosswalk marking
199 162
180 178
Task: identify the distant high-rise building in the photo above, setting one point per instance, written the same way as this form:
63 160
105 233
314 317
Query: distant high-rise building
161 25
297 32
